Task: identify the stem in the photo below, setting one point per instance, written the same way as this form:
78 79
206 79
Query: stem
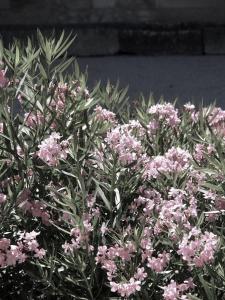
113 181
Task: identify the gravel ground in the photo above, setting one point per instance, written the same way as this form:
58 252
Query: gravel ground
188 78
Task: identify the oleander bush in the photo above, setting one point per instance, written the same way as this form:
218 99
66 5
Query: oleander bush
99 199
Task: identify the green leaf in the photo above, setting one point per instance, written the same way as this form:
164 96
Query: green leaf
103 197
208 289
192 297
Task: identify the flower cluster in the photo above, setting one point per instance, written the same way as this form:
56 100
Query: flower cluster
33 119
35 208
51 150
80 238
102 114
198 249
26 246
175 160
174 291
123 142
165 112
110 260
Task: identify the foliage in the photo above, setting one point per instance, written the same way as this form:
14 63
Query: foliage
99 200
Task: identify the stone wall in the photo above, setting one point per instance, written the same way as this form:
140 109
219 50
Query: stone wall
123 26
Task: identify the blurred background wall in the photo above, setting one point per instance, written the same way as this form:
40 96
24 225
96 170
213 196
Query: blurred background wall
106 27
171 48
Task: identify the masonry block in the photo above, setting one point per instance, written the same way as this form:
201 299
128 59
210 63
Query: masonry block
149 42
77 4
104 3
188 3
95 41
214 40
136 4
4 4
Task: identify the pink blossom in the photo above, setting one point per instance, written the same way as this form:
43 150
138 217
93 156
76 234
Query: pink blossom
3 79
198 249
159 263
179 159
126 289
101 254
174 291
67 247
102 114
189 107
121 140
216 120
167 113
51 150
35 207
59 98
80 236
26 246
220 203
4 244
175 160
2 198
199 152
90 200
40 253
103 228
140 274
153 126
34 120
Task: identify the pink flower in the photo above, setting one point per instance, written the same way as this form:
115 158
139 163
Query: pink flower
175 160
167 113
126 289
33 119
199 152
179 159
4 244
3 79
198 249
90 200
67 247
189 107
159 263
102 114
140 274
217 121
13 255
123 142
51 150
26 246
101 255
174 291
29 236
24 196
103 228
59 99
2 198
40 253
35 208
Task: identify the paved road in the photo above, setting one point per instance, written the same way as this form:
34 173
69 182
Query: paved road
190 78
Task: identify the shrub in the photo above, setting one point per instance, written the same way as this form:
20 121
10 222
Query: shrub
100 200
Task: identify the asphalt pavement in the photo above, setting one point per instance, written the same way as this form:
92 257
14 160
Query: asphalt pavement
188 78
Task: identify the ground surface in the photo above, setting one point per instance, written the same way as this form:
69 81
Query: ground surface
190 78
